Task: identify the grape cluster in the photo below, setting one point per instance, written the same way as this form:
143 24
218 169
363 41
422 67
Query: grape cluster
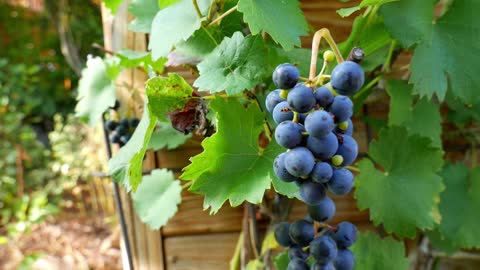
121 131
314 125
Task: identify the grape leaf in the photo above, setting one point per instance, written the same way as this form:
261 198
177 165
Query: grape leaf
96 92
112 5
238 63
282 20
423 118
125 166
232 166
373 252
438 53
408 21
167 137
144 11
459 206
157 197
130 59
440 242
345 12
166 3
167 94
404 195
173 24
281 261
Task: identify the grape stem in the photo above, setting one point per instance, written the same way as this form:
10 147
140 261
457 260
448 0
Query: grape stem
317 38
295 117
225 14
197 9
366 87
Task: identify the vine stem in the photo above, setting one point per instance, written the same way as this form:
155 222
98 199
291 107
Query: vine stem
225 14
197 9
235 261
317 38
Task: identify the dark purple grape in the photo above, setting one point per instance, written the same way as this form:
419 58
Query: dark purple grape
114 137
124 122
301 99
273 98
299 161
323 96
121 130
322 172
346 234
341 108
281 234
312 193
319 266
289 134
319 124
133 122
324 211
348 149
323 148
125 138
345 260
280 170
302 232
323 249
297 252
347 78
110 125
297 264
341 182
282 112
285 76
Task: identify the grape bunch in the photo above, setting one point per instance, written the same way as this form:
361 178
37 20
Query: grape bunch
314 125
120 132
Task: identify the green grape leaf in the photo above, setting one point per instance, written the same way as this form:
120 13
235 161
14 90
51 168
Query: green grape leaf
408 21
345 12
232 166
404 195
373 252
165 136
459 206
282 20
112 5
461 114
156 198
238 63
173 24
281 261
125 166
423 118
96 91
144 11
166 3
440 242
439 54
167 94
130 59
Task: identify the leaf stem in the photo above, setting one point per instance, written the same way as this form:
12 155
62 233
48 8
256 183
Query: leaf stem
197 9
225 14
353 168
388 61
235 261
187 185
317 38
366 87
